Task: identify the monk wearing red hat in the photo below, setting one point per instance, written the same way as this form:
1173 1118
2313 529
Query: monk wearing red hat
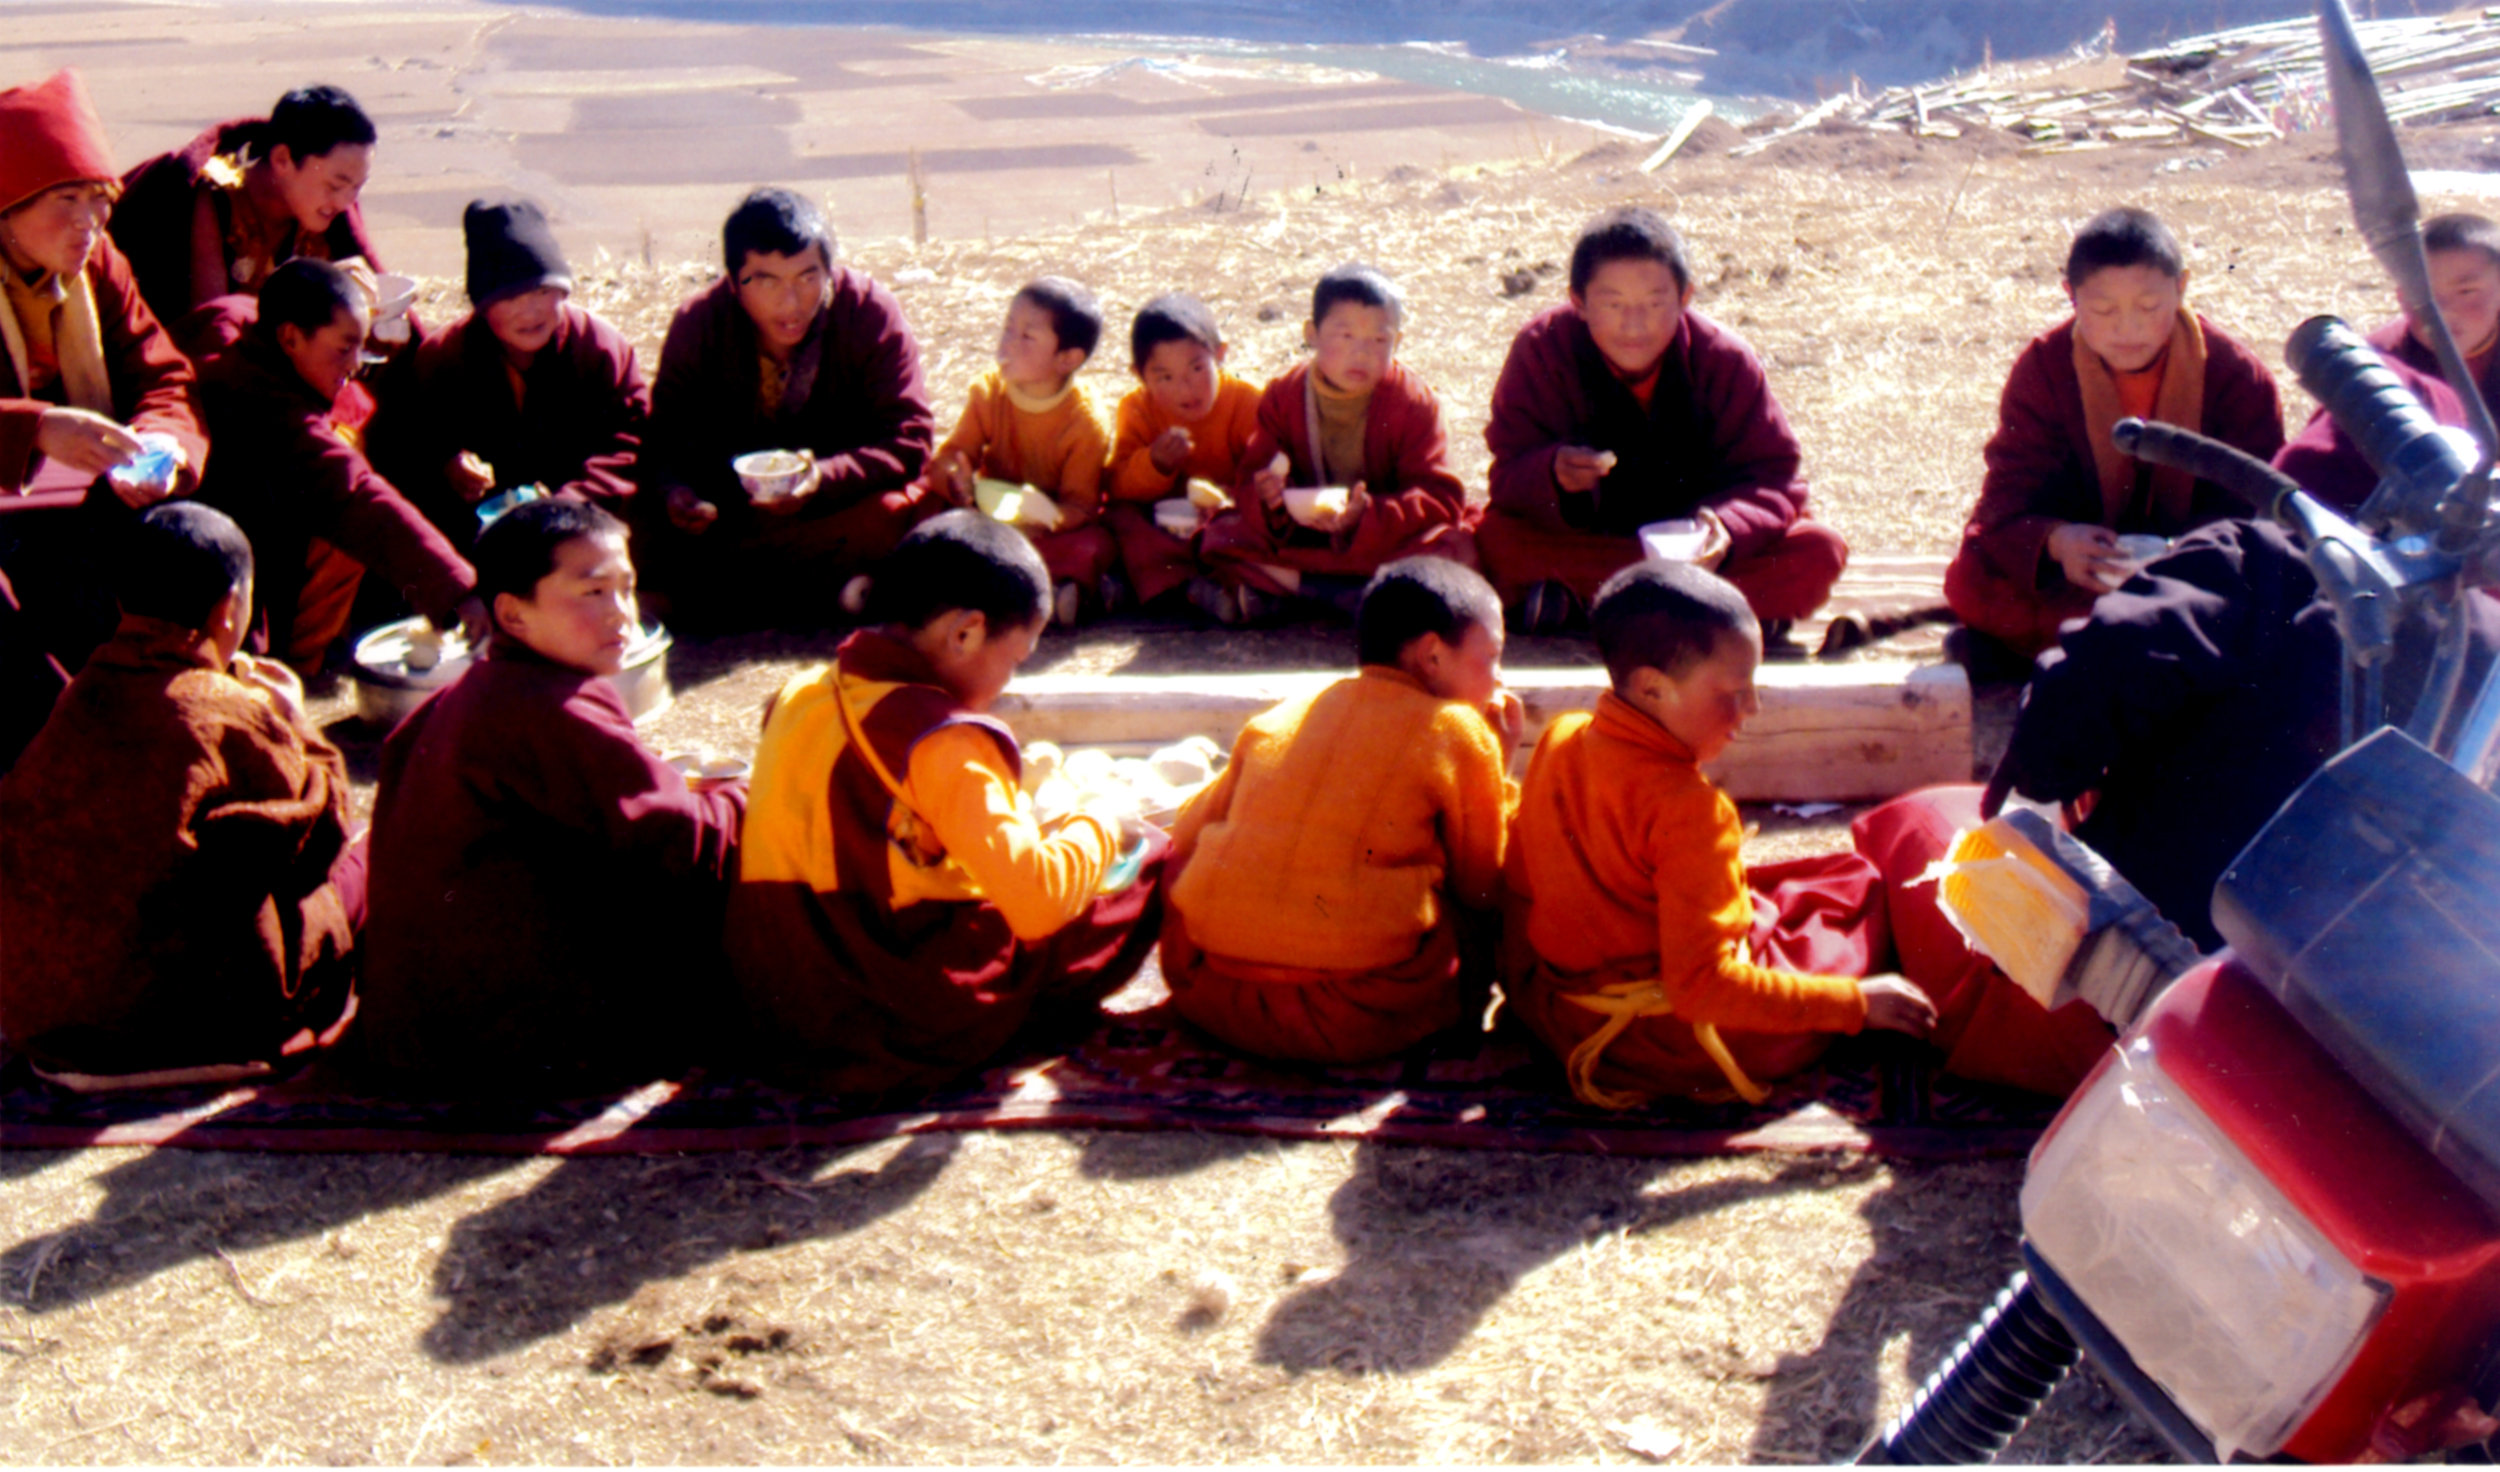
87 369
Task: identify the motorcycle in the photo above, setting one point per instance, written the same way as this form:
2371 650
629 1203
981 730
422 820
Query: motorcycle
2271 1216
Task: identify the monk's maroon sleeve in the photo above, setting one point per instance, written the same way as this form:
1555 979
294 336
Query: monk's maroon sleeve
885 402
1758 491
1532 417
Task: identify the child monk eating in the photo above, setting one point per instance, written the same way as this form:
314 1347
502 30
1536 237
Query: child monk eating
899 916
1354 420
178 896
1339 874
1186 420
2042 544
1031 423
1631 930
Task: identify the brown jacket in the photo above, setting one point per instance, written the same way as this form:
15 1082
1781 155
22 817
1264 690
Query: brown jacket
166 854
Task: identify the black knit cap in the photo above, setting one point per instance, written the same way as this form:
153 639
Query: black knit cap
511 250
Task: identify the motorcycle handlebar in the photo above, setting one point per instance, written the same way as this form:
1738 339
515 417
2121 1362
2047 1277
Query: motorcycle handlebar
2396 434
2236 471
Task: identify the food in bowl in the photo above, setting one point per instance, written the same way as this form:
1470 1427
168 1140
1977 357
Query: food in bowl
1206 495
1313 505
1014 504
773 475
1177 517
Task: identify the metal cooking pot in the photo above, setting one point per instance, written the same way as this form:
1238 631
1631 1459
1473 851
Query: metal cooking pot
386 689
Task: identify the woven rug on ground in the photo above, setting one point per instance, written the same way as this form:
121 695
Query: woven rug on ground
1142 1069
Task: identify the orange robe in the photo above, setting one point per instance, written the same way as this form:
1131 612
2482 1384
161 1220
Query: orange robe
1317 915
1625 867
1056 446
1216 442
1156 561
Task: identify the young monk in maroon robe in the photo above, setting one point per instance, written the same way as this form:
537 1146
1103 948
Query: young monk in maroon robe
527 389
1350 418
2464 252
2043 542
786 352
245 197
1623 407
1336 894
297 481
178 897
900 918
546 891
86 370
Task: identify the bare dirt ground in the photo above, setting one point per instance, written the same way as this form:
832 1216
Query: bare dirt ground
1046 1297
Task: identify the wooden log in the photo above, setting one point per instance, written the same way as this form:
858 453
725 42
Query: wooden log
1826 732
1811 118
1674 140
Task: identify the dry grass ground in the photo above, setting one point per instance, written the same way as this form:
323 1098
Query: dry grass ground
1046 1297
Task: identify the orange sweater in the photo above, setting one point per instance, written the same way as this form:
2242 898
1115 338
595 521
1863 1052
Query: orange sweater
1327 841
1626 862
959 775
1054 445
1216 442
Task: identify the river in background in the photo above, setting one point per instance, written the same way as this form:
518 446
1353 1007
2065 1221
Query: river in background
1592 61
1550 83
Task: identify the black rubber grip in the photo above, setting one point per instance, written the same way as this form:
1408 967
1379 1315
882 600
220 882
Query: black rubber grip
2396 434
2236 471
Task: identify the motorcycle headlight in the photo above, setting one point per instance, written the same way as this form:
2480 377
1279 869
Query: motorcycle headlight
2224 1294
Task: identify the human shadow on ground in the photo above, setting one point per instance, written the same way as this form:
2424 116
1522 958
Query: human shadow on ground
1435 1238
596 1229
1162 1154
171 1206
1947 1239
16 1163
1929 1274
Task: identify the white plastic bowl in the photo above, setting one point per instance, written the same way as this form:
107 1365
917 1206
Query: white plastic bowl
772 475
1310 505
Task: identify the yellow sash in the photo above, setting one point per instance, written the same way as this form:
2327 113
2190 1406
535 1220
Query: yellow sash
1622 1003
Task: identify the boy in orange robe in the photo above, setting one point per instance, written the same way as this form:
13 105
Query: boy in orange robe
1030 421
899 915
1351 417
1633 944
1322 912
1186 420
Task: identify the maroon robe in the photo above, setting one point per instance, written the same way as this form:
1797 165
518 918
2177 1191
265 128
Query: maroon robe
167 222
1417 503
286 474
575 430
1711 436
2041 475
2395 343
55 605
546 892
176 886
854 396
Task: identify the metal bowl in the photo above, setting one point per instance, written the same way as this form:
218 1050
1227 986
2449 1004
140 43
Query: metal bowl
386 689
